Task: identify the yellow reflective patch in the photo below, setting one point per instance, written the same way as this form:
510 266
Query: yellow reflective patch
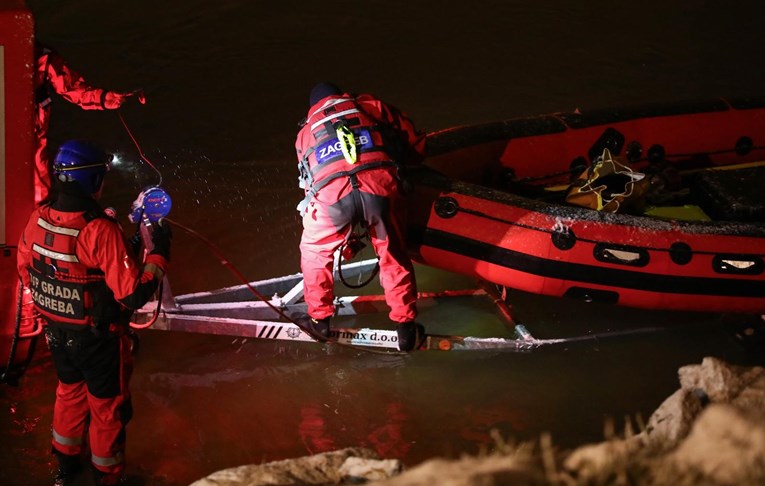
347 143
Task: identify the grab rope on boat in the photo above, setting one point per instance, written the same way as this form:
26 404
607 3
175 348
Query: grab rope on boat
575 169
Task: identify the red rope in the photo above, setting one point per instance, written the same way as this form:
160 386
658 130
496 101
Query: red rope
138 147
226 263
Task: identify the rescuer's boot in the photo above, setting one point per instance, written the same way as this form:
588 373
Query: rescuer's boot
410 335
317 328
102 478
320 327
68 468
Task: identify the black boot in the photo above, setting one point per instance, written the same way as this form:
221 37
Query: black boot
410 335
320 327
107 479
68 468
317 328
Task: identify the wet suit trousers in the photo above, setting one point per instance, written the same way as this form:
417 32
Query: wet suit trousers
93 369
325 227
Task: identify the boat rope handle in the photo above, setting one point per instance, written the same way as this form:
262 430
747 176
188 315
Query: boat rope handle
574 169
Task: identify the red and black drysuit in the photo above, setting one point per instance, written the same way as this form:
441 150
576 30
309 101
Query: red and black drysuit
340 194
53 75
86 282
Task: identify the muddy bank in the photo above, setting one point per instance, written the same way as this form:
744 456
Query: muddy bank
710 431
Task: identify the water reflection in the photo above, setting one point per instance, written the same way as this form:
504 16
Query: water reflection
314 430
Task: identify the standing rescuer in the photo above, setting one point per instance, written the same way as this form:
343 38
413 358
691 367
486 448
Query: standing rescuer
350 150
54 75
86 282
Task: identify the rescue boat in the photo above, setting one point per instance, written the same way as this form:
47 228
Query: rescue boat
491 202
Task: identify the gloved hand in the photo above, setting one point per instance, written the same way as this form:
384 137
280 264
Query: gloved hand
113 99
136 243
160 238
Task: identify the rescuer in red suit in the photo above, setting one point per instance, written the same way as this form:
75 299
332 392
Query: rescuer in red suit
350 150
54 75
85 282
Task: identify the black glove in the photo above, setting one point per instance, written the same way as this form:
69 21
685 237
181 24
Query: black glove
160 238
136 243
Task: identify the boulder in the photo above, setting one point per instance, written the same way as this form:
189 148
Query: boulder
710 431
355 465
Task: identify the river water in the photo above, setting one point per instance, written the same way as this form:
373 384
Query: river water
226 84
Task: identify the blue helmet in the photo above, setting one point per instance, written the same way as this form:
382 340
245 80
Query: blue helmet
79 161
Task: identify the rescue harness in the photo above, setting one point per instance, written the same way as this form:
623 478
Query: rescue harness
345 134
63 289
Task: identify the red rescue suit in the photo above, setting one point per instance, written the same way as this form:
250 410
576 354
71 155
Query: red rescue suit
85 283
340 194
53 75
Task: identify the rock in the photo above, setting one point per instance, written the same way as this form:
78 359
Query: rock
597 463
727 442
317 469
710 431
725 446
673 419
356 468
493 470
720 381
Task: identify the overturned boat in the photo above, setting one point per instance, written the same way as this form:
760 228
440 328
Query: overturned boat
491 202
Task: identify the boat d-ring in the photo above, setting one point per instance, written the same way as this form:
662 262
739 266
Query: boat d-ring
680 253
446 207
563 236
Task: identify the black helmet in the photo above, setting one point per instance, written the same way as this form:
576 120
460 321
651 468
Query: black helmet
321 91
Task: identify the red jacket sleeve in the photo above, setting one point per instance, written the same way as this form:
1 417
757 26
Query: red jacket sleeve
102 244
70 84
413 139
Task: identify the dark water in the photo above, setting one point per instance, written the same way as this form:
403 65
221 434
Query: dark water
227 82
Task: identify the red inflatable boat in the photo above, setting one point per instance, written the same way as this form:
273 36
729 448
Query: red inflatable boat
490 202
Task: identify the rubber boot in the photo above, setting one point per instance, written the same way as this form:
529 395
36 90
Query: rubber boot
320 327
107 479
317 328
68 468
410 335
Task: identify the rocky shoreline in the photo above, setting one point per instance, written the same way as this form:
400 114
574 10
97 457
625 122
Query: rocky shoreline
710 431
